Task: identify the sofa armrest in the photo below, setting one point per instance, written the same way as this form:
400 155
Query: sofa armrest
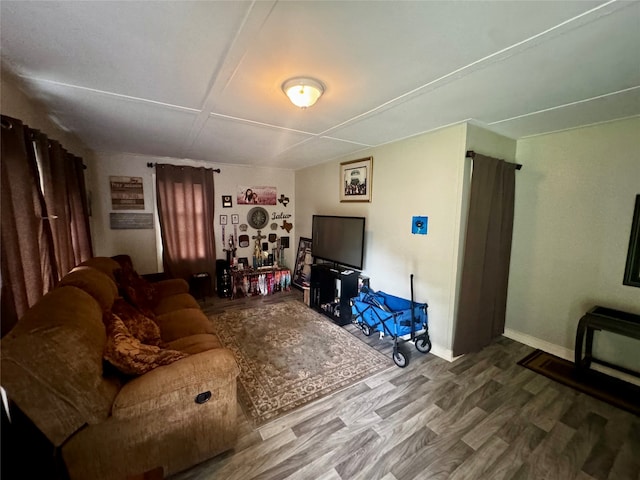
178 384
171 286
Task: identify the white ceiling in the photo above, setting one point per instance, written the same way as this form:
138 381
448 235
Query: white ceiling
202 80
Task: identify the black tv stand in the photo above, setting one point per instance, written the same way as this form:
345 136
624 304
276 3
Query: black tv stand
332 288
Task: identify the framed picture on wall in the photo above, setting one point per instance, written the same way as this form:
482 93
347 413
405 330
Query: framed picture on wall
235 218
304 260
226 201
632 268
251 195
356 179
223 219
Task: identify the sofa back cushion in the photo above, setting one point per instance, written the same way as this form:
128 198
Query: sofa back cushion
106 265
96 283
52 364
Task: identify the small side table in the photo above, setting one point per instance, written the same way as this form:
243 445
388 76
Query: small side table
607 319
200 285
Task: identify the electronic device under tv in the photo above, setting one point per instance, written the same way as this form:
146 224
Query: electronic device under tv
338 239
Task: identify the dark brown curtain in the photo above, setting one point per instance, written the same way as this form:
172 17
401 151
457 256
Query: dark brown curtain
50 156
185 210
28 264
45 224
487 252
78 209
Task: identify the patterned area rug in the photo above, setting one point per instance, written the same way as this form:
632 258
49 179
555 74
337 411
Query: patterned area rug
290 355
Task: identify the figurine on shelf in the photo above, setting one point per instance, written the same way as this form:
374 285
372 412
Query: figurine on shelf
231 251
257 255
257 251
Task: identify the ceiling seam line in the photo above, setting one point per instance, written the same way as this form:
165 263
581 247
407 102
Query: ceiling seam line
468 66
255 122
560 130
200 121
570 104
112 94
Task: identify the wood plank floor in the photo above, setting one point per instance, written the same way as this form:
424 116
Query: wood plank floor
481 417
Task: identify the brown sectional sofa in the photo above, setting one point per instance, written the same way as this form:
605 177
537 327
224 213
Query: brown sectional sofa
107 426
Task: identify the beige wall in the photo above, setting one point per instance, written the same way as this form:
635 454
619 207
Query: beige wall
15 103
574 205
141 244
419 176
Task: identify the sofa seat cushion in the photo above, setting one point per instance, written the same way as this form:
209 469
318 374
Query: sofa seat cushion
171 286
183 323
195 343
175 302
129 355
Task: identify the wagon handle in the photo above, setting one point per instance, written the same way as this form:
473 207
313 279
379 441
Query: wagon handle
413 317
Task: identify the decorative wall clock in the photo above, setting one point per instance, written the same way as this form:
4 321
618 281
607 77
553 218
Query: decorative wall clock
258 218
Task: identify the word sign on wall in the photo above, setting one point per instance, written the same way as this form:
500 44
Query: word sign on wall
126 193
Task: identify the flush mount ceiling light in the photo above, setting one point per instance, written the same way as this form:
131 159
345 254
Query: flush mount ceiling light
303 92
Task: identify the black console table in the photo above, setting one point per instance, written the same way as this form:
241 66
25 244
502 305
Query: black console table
602 318
326 280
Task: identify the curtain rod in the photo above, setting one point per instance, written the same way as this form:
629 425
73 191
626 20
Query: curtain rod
151 165
472 154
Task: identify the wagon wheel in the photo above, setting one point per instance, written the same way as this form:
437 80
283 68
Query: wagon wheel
399 358
366 329
423 344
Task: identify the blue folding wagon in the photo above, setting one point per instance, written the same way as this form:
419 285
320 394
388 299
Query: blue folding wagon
400 319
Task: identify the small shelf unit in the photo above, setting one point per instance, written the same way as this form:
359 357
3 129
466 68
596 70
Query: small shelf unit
332 288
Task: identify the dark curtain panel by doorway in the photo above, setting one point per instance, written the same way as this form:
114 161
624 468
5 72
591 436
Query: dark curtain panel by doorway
487 252
28 265
185 210
45 223
63 187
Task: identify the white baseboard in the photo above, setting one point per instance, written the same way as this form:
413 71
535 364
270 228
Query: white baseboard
441 352
543 345
437 350
565 353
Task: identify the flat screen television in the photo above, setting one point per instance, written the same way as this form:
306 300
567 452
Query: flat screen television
338 239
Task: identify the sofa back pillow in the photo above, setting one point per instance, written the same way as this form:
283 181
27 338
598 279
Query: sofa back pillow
136 290
139 325
129 355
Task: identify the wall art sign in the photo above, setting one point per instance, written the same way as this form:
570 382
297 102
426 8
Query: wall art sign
131 221
226 201
283 200
256 195
356 178
126 193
